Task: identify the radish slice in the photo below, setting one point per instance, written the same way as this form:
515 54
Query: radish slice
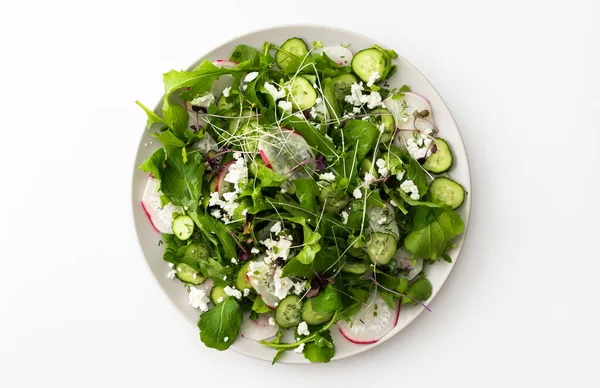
403 109
403 261
374 320
340 55
225 81
259 329
222 186
206 286
285 152
265 290
160 217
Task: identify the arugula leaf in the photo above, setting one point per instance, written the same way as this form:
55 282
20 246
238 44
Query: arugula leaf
311 244
152 117
182 182
321 350
324 259
168 139
209 225
214 270
433 228
220 322
268 177
306 191
155 163
259 306
172 245
243 53
330 99
327 301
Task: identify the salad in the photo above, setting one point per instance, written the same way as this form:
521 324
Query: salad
296 190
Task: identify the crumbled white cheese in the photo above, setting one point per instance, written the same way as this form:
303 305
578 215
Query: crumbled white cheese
373 78
382 220
171 274
318 100
273 91
203 101
226 91
400 175
225 339
345 217
328 176
285 105
409 187
356 109
300 348
421 146
233 260
246 291
221 299
237 172
271 321
227 204
171 265
313 113
382 167
299 287
369 178
251 76
282 284
198 299
357 193
373 100
224 277
254 250
328 137
277 248
216 213
276 228
303 328
357 98
233 292
244 87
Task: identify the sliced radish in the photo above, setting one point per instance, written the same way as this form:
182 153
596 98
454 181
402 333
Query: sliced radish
225 81
403 261
287 153
264 288
259 329
196 118
222 186
160 217
403 109
374 320
206 286
340 55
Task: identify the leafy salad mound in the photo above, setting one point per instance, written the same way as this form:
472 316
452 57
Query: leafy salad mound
294 190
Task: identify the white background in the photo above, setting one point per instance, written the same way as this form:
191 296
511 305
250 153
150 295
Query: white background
78 307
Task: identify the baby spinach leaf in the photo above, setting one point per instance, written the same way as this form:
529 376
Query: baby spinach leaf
211 227
219 323
433 228
324 259
182 182
155 164
327 301
243 53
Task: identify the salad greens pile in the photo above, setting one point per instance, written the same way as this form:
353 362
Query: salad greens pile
293 189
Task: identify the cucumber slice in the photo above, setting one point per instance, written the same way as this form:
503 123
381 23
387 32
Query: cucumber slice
366 62
383 116
293 47
445 191
196 252
183 227
218 295
355 267
381 247
311 317
302 94
241 280
342 84
187 274
287 313
442 160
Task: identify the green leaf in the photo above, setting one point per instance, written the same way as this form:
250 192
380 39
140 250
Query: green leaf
313 137
152 117
172 245
221 322
324 259
433 228
243 53
323 353
388 297
359 138
327 301
214 270
175 115
415 173
259 306
330 100
211 227
419 290
155 164
182 182
307 191
268 177
169 140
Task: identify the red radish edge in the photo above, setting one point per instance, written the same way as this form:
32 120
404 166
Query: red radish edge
220 174
265 159
149 217
371 342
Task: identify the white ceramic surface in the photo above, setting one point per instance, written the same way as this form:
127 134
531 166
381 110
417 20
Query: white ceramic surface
405 74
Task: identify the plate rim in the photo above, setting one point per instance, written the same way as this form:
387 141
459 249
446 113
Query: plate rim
468 188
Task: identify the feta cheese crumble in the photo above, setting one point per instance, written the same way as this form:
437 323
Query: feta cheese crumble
225 339
273 91
300 348
254 250
251 76
345 217
382 220
276 228
357 193
203 101
171 274
198 299
271 321
373 78
328 176
237 294
303 328
357 98
246 291
285 105
226 91
369 178
409 187
382 167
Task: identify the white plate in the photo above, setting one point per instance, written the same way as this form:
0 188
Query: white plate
405 74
